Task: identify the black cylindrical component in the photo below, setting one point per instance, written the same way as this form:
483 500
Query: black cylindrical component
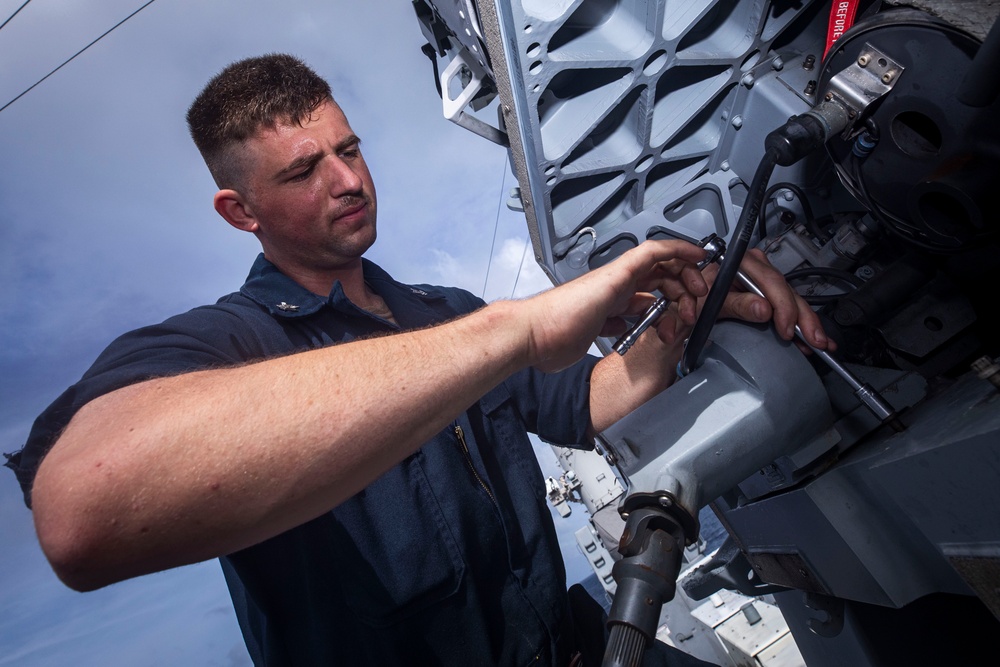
652 549
795 139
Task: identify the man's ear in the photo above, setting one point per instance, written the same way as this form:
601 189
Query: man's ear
232 206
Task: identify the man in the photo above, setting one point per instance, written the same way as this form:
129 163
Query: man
373 498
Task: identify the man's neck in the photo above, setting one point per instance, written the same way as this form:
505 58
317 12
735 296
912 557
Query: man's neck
320 281
352 281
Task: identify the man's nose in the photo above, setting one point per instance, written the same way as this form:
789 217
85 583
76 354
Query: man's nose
344 179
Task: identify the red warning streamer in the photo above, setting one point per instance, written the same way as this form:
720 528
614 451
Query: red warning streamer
842 14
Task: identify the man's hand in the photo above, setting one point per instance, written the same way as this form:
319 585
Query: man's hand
783 304
621 383
563 322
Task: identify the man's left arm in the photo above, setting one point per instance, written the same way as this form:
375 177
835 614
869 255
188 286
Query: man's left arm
621 383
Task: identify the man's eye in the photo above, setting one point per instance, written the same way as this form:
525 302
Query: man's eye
302 175
351 153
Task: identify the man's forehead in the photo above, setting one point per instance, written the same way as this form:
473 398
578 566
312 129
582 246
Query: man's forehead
326 127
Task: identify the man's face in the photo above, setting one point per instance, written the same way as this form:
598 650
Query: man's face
310 193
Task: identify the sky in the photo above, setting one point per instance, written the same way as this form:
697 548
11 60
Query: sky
106 224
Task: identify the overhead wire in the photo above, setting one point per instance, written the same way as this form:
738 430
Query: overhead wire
520 266
14 14
70 59
496 224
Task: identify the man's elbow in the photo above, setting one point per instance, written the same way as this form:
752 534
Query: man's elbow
68 539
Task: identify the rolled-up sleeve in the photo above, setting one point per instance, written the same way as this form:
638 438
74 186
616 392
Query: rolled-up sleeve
556 406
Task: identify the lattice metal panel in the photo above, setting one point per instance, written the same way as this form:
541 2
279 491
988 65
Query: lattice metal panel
640 119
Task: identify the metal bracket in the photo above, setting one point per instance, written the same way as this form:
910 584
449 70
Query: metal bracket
472 76
869 79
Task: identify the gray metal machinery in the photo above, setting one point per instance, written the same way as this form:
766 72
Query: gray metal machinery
855 143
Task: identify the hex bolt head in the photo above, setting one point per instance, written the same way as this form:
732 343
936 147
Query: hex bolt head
737 122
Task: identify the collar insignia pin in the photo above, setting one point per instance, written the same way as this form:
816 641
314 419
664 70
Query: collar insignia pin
287 307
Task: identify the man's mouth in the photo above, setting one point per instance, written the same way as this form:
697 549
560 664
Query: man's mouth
350 206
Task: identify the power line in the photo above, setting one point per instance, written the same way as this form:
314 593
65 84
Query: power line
496 225
14 14
520 266
107 32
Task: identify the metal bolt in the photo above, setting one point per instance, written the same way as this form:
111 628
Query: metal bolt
724 166
665 501
809 62
828 97
865 272
747 80
737 122
851 113
888 76
864 60
810 88
778 64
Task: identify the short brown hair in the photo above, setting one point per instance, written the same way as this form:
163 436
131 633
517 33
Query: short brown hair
246 96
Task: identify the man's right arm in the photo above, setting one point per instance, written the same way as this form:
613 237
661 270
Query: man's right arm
181 469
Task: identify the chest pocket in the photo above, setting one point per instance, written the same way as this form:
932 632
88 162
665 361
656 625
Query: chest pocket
395 553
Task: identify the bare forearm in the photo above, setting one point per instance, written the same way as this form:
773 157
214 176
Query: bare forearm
185 468
182 469
621 383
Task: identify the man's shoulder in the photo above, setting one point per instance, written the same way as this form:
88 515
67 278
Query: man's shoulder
227 315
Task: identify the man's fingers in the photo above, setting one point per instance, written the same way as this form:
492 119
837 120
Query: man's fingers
747 307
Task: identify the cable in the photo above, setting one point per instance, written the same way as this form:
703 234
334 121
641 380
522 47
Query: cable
14 14
730 266
496 224
108 31
520 266
825 272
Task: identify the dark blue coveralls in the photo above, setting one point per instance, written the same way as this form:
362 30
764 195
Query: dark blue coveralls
449 558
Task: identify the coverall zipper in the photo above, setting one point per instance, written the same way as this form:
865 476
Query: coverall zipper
460 434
